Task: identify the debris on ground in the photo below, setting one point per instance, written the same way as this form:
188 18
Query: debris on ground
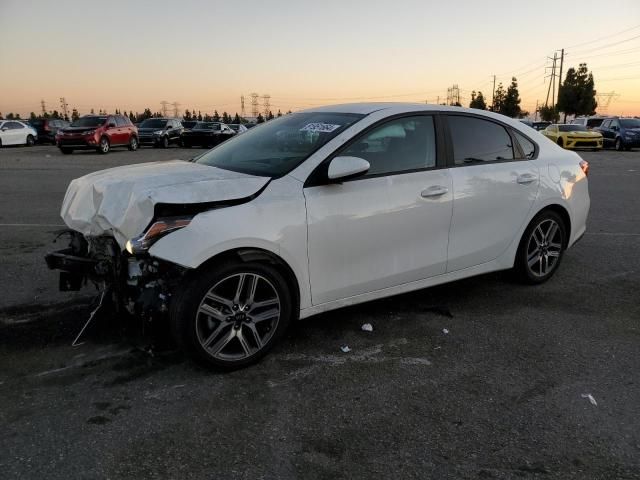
345 348
367 327
445 331
591 399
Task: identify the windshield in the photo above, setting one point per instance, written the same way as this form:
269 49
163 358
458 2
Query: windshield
153 123
572 128
235 126
188 124
275 148
207 126
89 122
630 123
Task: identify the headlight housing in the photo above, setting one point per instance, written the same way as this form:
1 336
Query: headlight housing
155 232
89 132
158 132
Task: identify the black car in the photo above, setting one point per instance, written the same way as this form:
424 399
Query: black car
207 134
47 128
189 124
160 132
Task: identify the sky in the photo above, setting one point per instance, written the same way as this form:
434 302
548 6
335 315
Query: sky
206 54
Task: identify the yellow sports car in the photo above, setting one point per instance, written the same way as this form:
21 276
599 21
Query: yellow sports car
573 136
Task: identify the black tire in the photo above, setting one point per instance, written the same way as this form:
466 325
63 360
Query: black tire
105 146
619 146
30 141
133 143
560 143
66 151
186 144
530 248
164 142
190 326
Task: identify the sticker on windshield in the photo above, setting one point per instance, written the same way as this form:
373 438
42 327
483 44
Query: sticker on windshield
319 127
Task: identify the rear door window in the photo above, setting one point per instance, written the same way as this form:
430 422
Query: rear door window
478 140
527 146
121 122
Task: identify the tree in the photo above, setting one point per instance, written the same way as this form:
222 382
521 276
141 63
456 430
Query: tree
32 116
288 112
92 112
270 115
279 113
199 116
260 118
132 117
549 114
236 119
511 104
498 99
477 101
74 115
10 116
56 115
216 117
187 115
577 95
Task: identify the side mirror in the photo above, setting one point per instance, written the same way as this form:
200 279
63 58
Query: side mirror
169 127
111 125
342 168
614 128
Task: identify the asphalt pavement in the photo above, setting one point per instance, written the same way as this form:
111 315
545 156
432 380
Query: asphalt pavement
481 378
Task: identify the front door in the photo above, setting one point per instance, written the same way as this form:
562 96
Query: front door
388 227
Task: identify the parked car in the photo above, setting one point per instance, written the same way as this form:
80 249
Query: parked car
47 128
238 128
98 132
189 124
541 125
318 210
206 134
573 136
16 132
160 132
620 133
589 122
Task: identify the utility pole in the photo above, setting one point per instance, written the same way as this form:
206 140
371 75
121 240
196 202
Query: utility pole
266 105
43 106
175 106
254 105
64 107
242 112
535 114
560 76
164 107
552 81
493 95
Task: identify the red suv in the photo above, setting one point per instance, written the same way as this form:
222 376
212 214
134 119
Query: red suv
98 132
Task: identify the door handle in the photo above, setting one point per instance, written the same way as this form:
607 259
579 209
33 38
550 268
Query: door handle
434 191
526 178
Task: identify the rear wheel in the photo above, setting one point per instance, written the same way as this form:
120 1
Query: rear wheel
31 141
66 151
104 145
541 248
231 316
133 143
619 146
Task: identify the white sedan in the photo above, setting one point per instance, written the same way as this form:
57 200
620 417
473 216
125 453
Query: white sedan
321 209
15 132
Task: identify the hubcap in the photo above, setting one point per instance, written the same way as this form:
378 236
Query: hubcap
238 316
105 145
544 247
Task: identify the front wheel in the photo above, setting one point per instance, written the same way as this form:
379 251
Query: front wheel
541 248
104 145
619 146
229 317
133 144
31 141
165 142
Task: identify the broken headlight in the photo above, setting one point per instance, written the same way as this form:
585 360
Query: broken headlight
155 232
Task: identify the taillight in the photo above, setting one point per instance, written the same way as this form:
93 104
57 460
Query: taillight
584 165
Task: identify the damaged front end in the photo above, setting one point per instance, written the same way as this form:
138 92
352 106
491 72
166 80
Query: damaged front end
138 284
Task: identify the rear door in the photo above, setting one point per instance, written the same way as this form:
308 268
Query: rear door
388 227
124 132
494 188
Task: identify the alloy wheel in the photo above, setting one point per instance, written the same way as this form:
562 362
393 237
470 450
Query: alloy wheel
544 247
238 316
104 145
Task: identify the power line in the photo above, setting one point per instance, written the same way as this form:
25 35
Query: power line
603 38
606 46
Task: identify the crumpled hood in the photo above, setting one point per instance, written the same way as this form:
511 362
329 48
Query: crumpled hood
120 201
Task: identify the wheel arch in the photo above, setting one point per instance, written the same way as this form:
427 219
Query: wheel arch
562 212
254 254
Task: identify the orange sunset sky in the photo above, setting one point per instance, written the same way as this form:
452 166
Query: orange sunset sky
206 54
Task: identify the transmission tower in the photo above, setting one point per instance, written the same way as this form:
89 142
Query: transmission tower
64 106
604 100
453 95
266 105
43 106
254 105
242 112
164 107
176 111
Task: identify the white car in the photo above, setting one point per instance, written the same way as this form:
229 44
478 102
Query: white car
321 209
238 128
15 132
